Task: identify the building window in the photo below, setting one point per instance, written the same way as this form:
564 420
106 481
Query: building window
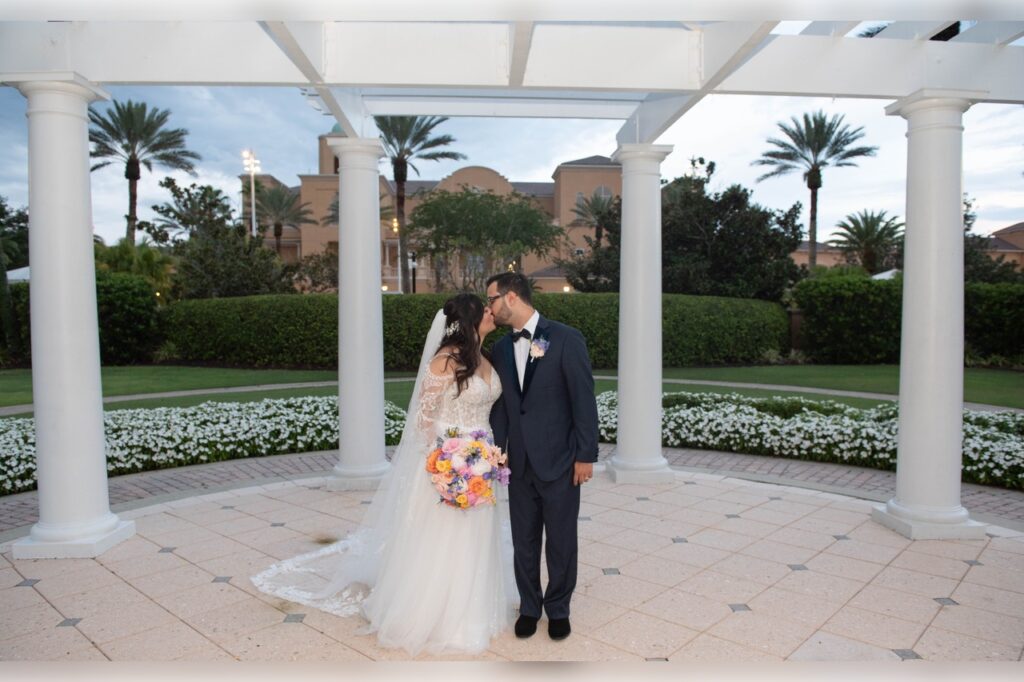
580 198
603 192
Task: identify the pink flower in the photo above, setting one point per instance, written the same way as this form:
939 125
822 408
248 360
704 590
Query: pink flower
451 445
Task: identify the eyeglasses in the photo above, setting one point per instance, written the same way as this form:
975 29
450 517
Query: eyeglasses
492 299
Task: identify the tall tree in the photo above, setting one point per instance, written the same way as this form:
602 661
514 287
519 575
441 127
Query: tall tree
280 207
596 211
190 209
135 134
469 235
869 239
406 138
813 143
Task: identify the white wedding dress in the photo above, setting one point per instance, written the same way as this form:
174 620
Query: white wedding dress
426 576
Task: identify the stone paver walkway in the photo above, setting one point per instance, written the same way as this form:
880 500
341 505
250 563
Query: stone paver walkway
705 568
989 504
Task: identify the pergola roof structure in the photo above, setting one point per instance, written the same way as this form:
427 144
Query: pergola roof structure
646 74
362 62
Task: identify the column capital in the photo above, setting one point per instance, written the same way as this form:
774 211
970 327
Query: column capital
55 81
934 98
356 145
642 152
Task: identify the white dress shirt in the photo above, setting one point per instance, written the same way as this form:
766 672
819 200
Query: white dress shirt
522 346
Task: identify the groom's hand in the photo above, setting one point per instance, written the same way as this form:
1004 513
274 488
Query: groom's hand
583 473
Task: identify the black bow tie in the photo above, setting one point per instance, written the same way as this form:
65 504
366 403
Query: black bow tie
521 334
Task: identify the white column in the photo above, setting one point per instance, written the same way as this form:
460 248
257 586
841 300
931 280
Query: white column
927 502
74 510
361 460
638 456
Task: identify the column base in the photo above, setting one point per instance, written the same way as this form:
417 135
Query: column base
356 479
85 548
649 474
923 529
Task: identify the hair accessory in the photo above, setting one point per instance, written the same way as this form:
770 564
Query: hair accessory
452 328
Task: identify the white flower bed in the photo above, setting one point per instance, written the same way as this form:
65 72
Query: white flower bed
826 431
139 440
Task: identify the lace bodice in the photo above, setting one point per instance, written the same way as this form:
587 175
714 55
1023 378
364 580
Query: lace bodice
440 407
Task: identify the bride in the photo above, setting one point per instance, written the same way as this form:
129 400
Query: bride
425 575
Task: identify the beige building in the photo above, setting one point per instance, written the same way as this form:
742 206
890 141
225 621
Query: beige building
1008 243
572 181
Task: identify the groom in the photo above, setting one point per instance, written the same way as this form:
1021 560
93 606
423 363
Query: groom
546 420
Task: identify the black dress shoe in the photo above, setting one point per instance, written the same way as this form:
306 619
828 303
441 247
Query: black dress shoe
558 628
526 626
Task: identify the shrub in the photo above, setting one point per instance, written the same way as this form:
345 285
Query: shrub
129 323
301 331
853 320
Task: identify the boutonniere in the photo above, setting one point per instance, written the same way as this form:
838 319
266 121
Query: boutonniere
538 348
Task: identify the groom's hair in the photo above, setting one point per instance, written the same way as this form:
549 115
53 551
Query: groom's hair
513 281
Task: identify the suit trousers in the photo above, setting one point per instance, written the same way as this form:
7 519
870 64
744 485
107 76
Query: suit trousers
544 508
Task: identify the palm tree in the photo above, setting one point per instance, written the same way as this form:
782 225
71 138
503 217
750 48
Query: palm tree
406 138
814 143
135 134
596 212
869 237
279 206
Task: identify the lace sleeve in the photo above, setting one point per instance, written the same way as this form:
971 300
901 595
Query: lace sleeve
432 393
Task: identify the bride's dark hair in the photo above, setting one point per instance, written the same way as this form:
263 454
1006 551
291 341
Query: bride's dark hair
463 314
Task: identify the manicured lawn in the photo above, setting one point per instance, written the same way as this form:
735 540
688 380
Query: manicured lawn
16 384
996 387
400 393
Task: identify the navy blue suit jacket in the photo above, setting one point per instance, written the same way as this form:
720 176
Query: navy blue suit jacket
552 420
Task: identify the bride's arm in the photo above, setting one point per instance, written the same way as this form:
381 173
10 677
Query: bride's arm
436 381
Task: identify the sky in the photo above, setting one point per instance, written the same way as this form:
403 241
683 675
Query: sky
728 129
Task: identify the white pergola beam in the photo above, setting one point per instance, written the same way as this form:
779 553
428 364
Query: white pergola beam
724 47
230 53
609 57
991 32
832 29
913 30
855 67
515 107
304 45
521 38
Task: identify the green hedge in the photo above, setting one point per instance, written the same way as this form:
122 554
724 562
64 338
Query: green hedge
856 320
994 319
300 331
129 321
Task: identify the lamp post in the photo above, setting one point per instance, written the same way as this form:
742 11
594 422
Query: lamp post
252 167
398 260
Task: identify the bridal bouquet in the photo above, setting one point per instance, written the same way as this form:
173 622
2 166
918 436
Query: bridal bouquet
464 469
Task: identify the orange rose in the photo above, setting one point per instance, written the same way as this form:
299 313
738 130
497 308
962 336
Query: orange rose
432 461
478 486
462 501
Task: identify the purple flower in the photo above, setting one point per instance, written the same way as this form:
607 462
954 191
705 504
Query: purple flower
478 434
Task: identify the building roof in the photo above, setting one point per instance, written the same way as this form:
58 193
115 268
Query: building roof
535 189
1016 227
591 161
997 244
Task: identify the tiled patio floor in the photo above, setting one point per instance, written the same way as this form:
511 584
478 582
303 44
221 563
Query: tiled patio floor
707 568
